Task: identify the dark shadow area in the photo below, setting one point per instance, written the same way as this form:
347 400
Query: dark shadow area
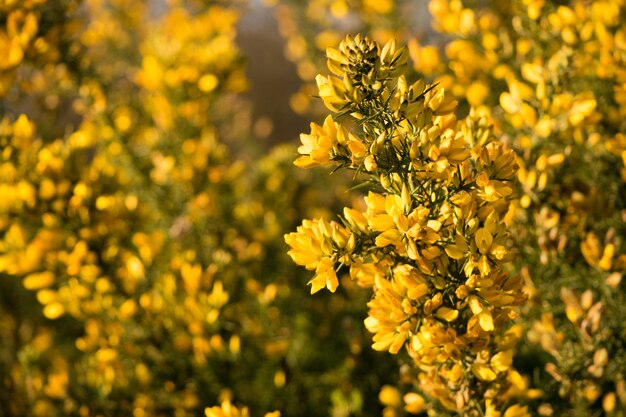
273 79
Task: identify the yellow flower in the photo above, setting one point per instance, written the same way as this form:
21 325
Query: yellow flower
483 372
447 314
501 361
325 276
306 244
415 403
516 410
331 92
226 409
315 245
389 396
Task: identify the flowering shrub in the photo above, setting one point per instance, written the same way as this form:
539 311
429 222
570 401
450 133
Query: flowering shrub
552 73
141 261
429 239
541 76
479 249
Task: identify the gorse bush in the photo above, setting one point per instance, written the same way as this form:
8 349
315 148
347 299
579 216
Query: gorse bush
430 242
541 76
472 232
554 76
143 268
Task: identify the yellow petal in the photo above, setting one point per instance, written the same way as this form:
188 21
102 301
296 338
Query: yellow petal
490 409
317 283
510 104
483 372
447 314
331 280
580 110
207 83
486 321
475 304
381 223
304 162
415 403
483 266
53 310
389 396
483 239
383 343
607 257
357 148
38 280
337 56
106 354
388 237
608 402
431 252
501 361
516 410
397 343
417 292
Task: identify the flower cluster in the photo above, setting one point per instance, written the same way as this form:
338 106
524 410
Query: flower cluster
86 231
429 238
32 41
552 74
142 270
309 28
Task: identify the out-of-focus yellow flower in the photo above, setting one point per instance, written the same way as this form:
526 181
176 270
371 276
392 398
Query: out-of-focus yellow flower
226 409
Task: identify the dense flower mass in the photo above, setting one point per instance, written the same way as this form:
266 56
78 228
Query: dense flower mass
142 270
429 238
548 76
555 77
472 234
